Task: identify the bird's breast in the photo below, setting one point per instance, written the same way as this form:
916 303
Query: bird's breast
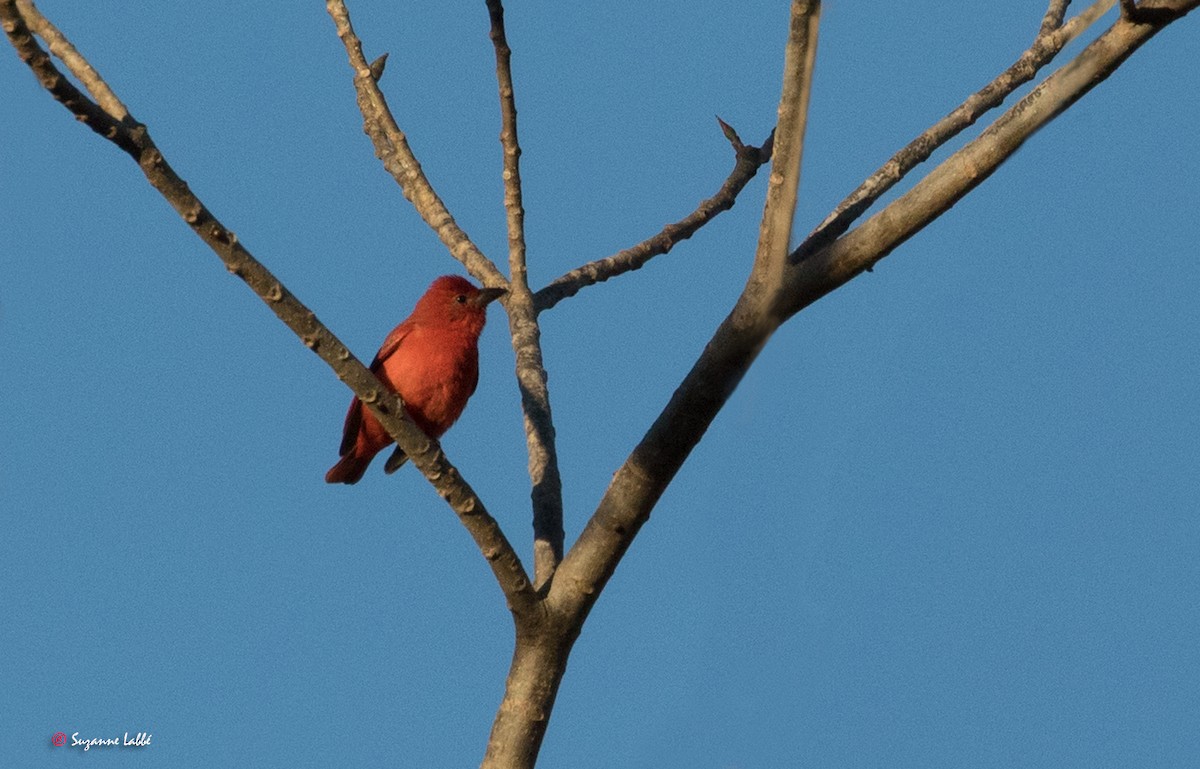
434 375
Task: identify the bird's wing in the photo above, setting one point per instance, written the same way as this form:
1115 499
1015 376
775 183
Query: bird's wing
355 415
390 344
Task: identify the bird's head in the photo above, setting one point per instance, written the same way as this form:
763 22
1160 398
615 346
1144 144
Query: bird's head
455 301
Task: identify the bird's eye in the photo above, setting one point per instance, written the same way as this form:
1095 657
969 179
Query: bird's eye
461 298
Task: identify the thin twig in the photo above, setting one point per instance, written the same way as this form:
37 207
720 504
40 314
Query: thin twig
546 492
747 161
426 454
511 146
391 146
1043 50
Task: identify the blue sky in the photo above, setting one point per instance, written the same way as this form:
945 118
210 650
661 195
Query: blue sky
949 518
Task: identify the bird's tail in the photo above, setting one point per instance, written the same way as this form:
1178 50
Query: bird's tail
349 469
395 461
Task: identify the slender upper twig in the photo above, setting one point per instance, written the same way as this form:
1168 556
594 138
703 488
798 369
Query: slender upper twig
391 146
779 209
747 161
523 324
1044 49
426 454
513 206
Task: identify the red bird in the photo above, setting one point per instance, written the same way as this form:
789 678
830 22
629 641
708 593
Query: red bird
431 361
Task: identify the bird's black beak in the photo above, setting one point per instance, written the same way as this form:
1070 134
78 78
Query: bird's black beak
488 295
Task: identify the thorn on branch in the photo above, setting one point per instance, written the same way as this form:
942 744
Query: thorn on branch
378 66
731 134
758 155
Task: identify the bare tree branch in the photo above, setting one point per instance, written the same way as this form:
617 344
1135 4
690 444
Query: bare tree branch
61 47
1053 19
514 208
1044 49
640 481
118 130
426 454
526 335
779 210
747 162
821 271
1149 13
391 146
